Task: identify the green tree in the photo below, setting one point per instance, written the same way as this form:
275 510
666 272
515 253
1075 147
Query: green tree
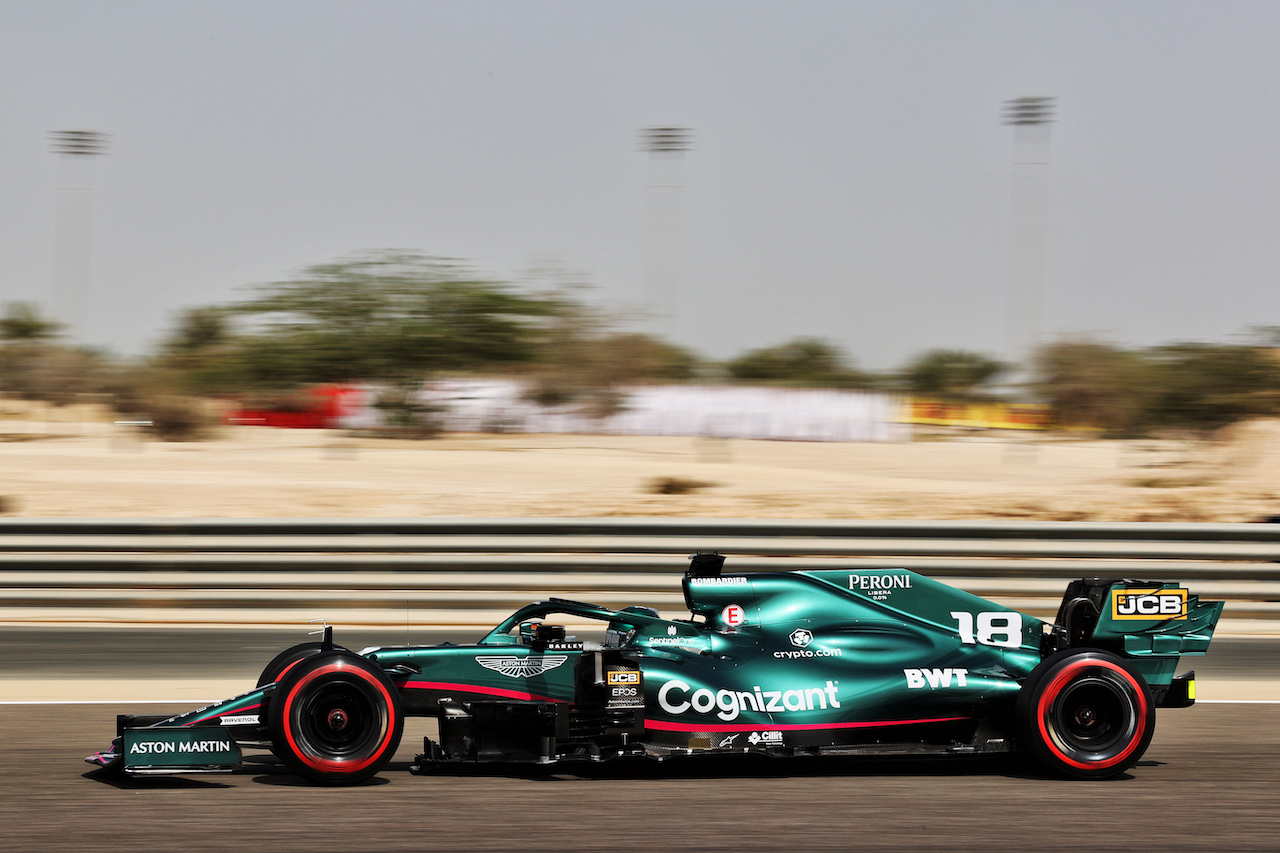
802 361
55 374
383 316
22 322
204 356
586 360
951 373
1188 386
34 366
1207 386
200 330
1093 384
645 358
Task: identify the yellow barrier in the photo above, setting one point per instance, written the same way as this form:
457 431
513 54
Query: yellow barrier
924 410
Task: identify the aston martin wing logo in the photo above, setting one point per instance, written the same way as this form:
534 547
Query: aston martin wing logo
517 667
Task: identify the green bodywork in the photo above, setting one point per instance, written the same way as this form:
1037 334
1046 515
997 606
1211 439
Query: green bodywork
883 659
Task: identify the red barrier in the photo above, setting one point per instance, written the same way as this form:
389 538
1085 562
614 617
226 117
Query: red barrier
325 406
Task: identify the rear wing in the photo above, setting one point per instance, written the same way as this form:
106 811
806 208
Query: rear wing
1135 618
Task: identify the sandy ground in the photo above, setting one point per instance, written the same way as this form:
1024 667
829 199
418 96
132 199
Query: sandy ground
76 463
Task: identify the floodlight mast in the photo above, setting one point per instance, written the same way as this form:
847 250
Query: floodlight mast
76 149
79 143
666 146
1031 117
666 140
1029 110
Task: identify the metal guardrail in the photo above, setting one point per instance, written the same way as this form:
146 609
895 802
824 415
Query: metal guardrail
565 527
472 571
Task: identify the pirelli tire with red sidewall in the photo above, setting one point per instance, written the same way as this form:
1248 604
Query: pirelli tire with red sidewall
1085 713
335 718
287 659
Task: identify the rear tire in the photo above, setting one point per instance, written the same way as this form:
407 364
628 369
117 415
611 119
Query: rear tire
335 718
1085 713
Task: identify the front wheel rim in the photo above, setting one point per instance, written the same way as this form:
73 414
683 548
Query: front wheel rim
339 723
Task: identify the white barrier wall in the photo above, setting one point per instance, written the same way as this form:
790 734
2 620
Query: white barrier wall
800 414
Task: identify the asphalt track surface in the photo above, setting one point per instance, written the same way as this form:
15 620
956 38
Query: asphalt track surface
1208 782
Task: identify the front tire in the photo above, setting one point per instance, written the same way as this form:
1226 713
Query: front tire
1086 713
335 718
283 662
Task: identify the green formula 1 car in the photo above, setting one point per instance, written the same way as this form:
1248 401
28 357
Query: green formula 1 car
857 662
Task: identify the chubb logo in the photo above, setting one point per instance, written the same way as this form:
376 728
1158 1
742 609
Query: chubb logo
1149 604
677 697
935 678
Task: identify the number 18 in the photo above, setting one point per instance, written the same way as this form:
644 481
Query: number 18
994 629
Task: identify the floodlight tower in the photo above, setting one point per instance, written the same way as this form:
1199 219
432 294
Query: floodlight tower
666 146
1031 118
76 150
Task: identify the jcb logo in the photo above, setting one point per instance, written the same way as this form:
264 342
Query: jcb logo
623 677
1148 604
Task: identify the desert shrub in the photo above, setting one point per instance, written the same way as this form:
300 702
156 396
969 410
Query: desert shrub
1182 387
406 413
142 393
178 418
1206 386
677 486
1096 385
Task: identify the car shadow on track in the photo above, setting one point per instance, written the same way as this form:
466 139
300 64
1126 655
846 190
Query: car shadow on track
125 782
269 770
749 766
285 779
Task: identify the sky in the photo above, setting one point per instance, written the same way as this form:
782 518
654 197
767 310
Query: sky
850 176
